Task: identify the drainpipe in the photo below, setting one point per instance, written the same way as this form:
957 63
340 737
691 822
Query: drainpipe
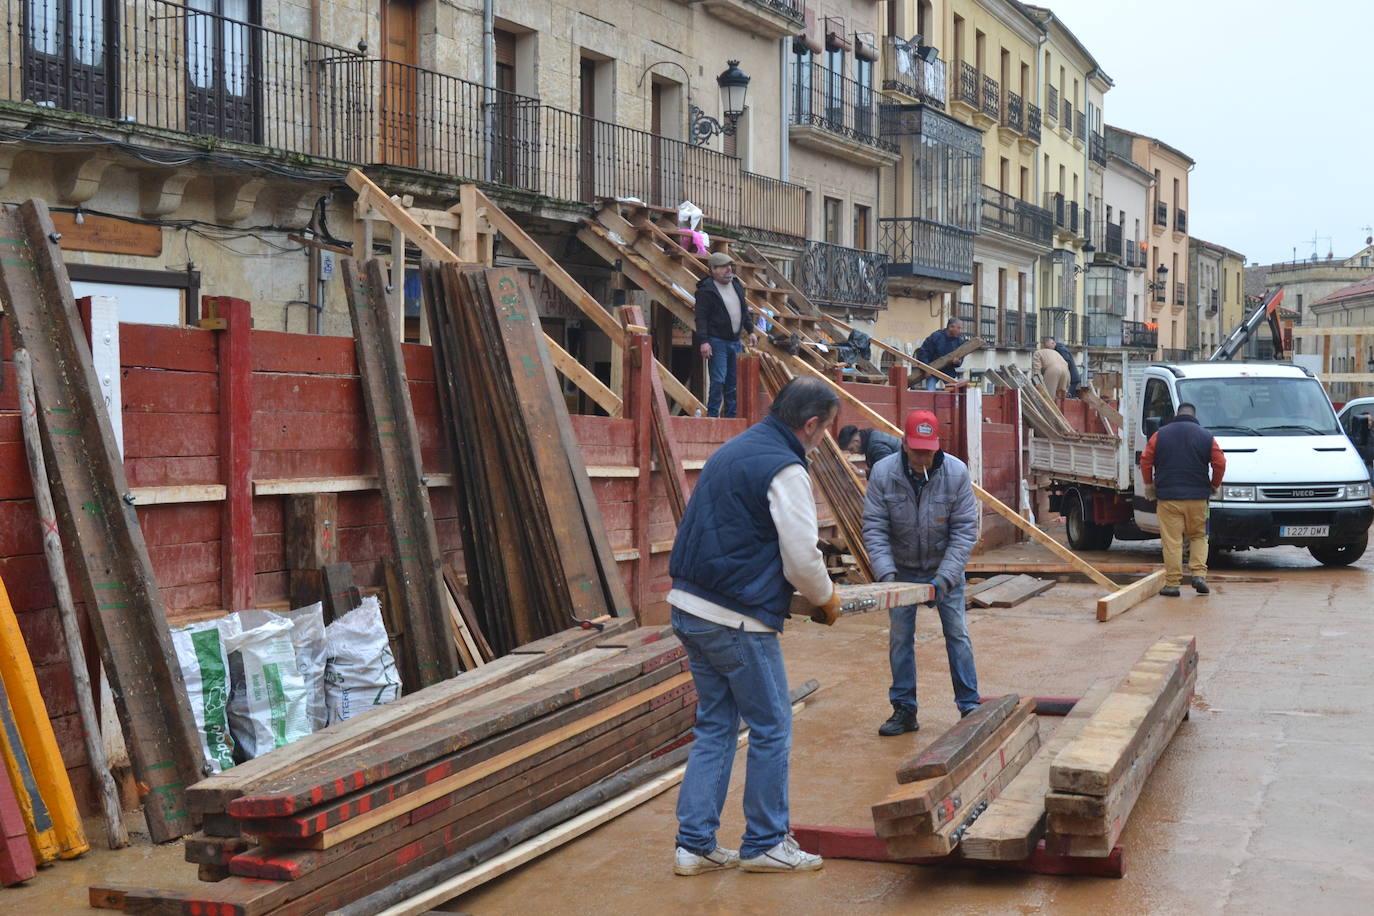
784 95
488 78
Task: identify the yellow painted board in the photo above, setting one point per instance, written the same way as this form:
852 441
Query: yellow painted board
35 730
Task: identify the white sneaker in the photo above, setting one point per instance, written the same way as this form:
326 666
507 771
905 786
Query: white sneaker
689 863
786 856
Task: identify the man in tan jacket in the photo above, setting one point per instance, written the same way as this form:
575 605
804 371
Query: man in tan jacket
1049 365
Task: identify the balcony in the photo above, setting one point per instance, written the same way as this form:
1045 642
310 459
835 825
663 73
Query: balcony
1111 246
173 76
910 77
979 320
969 89
1012 216
1061 324
1051 104
918 247
1097 148
765 18
1080 129
1161 214
1033 124
992 98
1214 302
839 116
1065 118
1016 333
1139 334
1013 114
772 209
1065 215
1101 330
1180 220
843 278
1086 236
1180 293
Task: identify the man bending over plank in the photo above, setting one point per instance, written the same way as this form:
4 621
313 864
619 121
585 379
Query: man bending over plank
748 541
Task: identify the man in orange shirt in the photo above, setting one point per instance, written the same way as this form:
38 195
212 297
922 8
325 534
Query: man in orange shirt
1179 455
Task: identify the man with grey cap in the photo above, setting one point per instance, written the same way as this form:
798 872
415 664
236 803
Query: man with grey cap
722 314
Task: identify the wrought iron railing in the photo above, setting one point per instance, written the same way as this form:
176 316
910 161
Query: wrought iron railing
1111 243
1028 329
1080 127
1051 104
1066 115
1097 148
1180 292
1213 302
922 247
986 327
1161 290
907 72
829 100
1011 330
1014 113
772 205
1180 220
1061 324
992 98
1012 215
1176 355
1064 212
1161 213
1033 123
1087 233
845 277
967 313
792 9
1139 334
970 85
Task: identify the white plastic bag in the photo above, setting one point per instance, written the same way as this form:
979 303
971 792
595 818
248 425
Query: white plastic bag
361 673
688 215
267 708
308 641
205 668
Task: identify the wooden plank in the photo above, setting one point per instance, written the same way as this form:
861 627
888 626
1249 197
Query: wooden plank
945 799
431 656
214 850
235 342
310 526
963 739
1097 835
989 583
184 493
1107 745
972 345
1310 331
568 366
1014 824
114 570
947 838
16 856
1010 594
416 744
469 615
295 486
1128 596
1104 410
870 596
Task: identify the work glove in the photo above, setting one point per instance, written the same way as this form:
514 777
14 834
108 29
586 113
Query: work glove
1149 491
941 590
829 612
890 577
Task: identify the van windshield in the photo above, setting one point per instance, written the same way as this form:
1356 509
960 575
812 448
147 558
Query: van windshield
1261 406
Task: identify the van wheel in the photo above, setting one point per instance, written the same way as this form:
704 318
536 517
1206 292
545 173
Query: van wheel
1083 534
1339 554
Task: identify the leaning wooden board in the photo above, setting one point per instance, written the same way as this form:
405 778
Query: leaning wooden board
1107 745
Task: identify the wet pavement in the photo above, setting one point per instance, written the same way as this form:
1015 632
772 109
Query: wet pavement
1263 803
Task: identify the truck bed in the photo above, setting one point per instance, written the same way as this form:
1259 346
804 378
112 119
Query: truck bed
1091 462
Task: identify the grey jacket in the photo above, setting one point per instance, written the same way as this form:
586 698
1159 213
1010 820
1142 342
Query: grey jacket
931 538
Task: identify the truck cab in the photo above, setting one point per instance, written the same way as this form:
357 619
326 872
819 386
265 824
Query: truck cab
1292 475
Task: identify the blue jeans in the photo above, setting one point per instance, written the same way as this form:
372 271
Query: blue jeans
738 675
720 369
901 648
931 383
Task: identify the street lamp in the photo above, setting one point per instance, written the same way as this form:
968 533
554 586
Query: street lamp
734 87
1161 281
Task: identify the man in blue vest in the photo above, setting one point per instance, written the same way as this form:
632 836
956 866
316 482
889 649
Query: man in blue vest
920 524
747 542
1174 469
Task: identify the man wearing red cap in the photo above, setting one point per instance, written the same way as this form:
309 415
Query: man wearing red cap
920 523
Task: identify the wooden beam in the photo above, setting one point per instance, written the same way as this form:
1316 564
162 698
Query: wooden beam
1127 597
1104 410
184 493
568 366
1306 331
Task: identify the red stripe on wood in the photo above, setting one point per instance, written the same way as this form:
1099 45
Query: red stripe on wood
162 347
164 391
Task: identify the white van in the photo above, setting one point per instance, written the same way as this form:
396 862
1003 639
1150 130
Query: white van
1292 475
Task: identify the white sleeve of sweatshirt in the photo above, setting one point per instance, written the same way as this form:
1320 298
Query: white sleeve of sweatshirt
793 507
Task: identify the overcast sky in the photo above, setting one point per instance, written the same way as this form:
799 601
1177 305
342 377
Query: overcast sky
1275 102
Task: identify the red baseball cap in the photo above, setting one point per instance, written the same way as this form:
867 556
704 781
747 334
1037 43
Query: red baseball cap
922 430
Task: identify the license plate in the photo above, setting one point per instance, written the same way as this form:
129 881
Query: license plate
1304 531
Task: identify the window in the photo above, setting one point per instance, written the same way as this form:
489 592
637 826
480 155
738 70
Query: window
832 220
861 224
145 296
802 88
863 97
70 53
221 64
1159 407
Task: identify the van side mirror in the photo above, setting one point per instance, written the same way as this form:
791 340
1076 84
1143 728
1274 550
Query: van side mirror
1150 425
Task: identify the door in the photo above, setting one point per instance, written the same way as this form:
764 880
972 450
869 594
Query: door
400 61
509 150
221 69
587 130
70 55
1157 408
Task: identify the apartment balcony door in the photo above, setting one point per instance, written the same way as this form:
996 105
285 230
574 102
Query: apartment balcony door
71 54
221 69
400 62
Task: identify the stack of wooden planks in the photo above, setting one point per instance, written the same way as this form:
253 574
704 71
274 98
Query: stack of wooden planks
839 482
1097 777
534 545
351 809
945 788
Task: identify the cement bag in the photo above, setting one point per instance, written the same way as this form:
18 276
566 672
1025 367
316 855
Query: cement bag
267 708
311 648
361 673
205 668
